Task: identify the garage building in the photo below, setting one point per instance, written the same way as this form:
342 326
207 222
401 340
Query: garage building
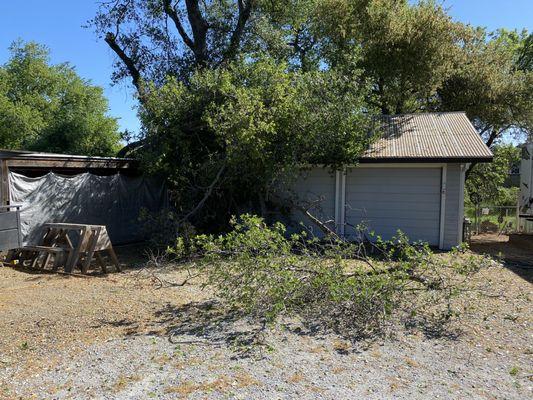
411 179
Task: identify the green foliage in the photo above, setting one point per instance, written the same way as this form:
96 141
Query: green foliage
255 87
256 119
419 59
407 50
330 283
507 196
492 83
485 182
50 108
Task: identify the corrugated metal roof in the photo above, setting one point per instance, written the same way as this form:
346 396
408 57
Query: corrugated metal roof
429 136
5 153
45 161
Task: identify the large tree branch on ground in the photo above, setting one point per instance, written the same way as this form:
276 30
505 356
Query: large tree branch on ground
430 284
111 40
207 193
245 9
171 12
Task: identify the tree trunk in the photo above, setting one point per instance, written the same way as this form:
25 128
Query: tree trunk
199 28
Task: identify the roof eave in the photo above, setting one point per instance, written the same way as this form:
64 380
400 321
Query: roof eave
390 160
69 163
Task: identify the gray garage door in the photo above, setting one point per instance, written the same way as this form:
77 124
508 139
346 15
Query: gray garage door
388 199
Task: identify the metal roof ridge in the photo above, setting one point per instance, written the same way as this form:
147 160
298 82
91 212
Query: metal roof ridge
422 113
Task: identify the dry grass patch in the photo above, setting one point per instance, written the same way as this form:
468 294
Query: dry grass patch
123 381
412 363
244 379
317 349
338 370
395 384
296 378
342 346
222 384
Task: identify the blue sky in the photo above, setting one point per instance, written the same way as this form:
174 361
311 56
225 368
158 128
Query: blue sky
59 25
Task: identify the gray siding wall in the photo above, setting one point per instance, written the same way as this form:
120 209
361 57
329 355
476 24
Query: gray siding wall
453 206
386 199
390 199
315 186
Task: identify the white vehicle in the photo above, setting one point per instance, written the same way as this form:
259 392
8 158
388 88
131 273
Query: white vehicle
525 202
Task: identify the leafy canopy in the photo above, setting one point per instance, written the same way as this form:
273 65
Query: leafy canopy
493 83
419 59
416 57
486 181
256 86
254 119
50 108
406 50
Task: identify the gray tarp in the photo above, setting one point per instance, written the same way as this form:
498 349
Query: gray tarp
114 201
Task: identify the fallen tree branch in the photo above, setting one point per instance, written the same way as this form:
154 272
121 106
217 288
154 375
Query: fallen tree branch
321 225
207 193
306 210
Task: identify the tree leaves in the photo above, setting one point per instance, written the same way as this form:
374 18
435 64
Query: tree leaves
257 117
50 108
489 84
486 181
301 81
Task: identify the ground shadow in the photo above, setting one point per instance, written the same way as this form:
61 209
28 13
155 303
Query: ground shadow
211 323
92 273
131 257
516 258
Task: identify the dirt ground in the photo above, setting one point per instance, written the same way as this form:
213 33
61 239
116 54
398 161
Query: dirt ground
500 247
137 335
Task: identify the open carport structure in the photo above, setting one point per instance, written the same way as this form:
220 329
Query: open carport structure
77 189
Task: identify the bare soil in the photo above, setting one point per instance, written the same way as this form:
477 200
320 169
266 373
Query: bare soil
141 334
499 247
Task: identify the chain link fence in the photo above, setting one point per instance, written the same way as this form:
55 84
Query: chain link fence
491 219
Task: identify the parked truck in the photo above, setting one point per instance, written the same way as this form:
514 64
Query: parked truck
525 205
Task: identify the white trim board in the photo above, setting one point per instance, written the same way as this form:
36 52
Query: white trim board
442 206
343 202
462 178
338 204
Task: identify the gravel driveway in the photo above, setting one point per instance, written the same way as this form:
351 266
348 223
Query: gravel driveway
299 367
120 337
